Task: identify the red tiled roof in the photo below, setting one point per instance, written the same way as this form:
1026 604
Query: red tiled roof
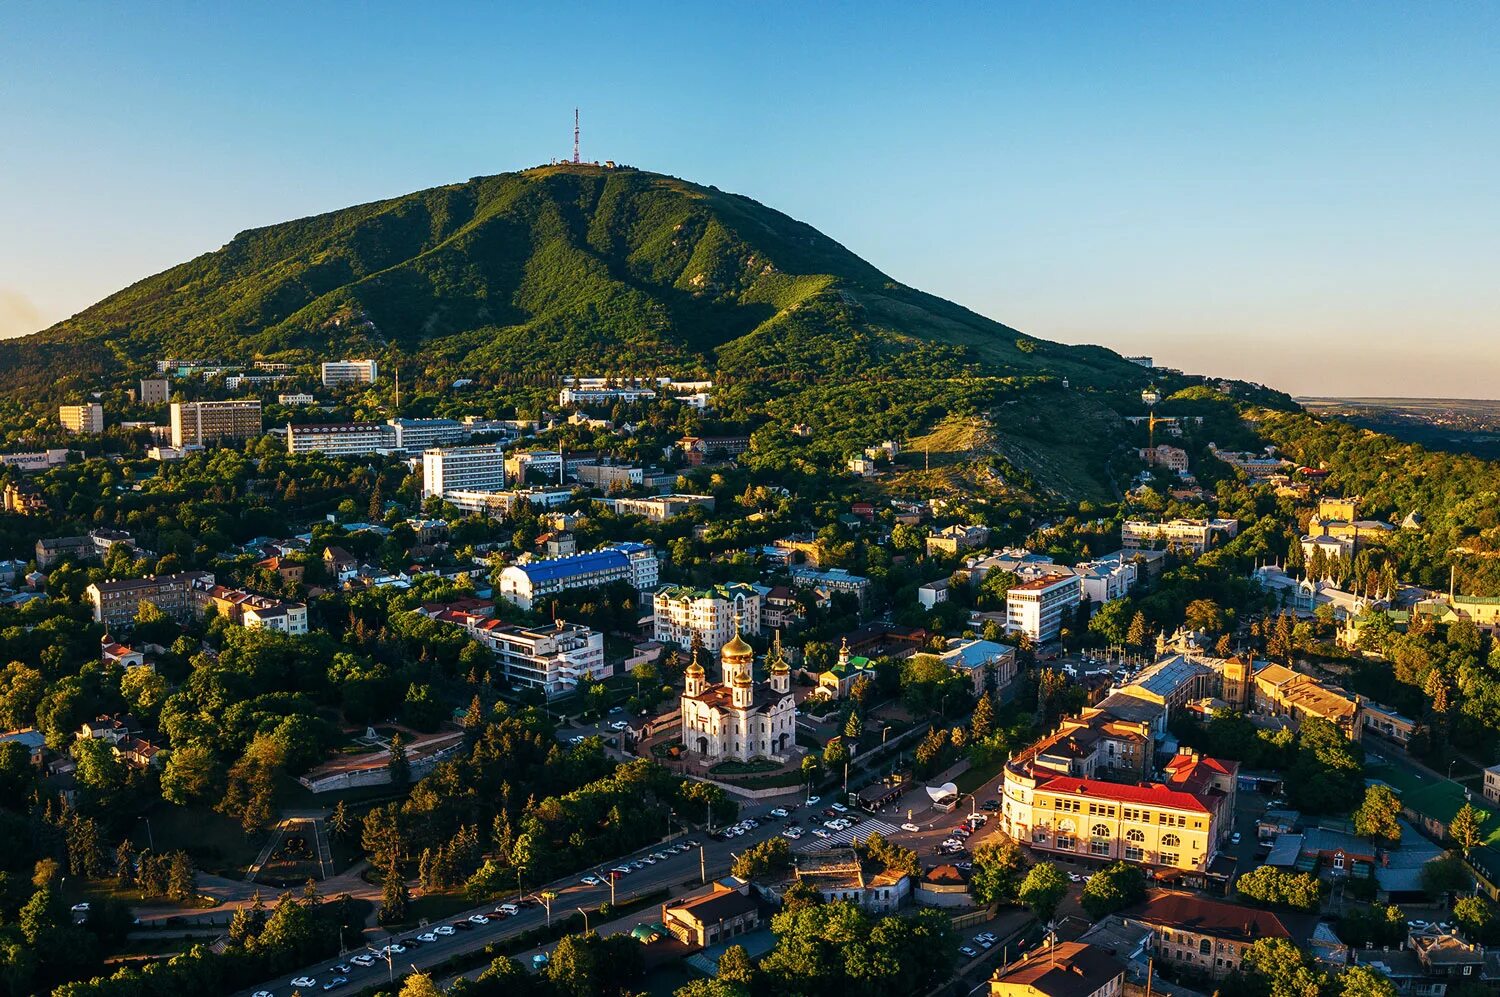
1151 793
1191 912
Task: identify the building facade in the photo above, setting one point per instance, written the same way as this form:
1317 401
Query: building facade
712 614
155 391
340 439
1189 536
350 372
85 418
527 584
1039 608
202 423
248 609
554 658
417 435
472 469
117 600
734 719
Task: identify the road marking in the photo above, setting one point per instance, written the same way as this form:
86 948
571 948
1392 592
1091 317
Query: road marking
861 830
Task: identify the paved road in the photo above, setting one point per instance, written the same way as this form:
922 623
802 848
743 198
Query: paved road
676 871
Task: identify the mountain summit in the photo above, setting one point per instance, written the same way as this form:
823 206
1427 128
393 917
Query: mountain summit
547 269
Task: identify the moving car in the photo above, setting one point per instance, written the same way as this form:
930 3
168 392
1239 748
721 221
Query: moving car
304 981
427 937
1234 838
780 812
443 929
362 960
840 808
335 983
967 952
909 826
510 910
591 881
814 800
478 919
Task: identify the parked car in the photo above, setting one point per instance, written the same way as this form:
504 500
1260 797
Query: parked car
909 826
510 910
967 952
818 832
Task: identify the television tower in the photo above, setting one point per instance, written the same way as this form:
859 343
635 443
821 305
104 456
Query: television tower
575 135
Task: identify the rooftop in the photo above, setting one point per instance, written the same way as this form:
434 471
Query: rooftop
1154 794
1068 969
1190 912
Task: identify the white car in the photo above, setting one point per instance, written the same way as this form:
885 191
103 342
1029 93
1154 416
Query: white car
833 825
427 937
576 739
908 826
444 929
780 812
590 880
263 993
509 910
793 832
81 908
478 919
818 832
1234 838
840 808
304 981
813 801
363 960
619 725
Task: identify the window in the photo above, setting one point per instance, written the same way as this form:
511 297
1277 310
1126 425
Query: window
1066 841
1338 861
1134 854
1170 841
1168 858
1205 947
1135 834
1099 846
1100 830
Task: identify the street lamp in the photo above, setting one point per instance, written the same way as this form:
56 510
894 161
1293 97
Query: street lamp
546 897
585 920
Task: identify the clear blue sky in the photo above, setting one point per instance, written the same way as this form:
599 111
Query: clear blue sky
1303 194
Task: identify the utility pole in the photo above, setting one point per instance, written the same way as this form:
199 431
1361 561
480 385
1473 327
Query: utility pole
575 135
585 920
702 865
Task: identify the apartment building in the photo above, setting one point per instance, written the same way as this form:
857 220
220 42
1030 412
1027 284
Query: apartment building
551 465
36 460
1107 578
248 609
116 601
340 439
1191 536
155 391
553 658
463 469
350 372
1038 608
417 435
202 423
85 418
679 612
1279 691
1166 456
296 398
527 584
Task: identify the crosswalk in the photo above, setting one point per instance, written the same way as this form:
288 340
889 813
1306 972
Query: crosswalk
812 843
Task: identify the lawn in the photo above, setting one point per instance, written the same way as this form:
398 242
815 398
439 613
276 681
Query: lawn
216 843
978 775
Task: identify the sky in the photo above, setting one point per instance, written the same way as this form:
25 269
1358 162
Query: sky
1305 195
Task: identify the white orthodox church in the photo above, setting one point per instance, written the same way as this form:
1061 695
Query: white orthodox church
733 719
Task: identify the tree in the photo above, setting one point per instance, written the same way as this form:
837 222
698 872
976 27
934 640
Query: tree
1043 889
399 766
1281 968
1204 615
809 768
1138 633
1474 915
340 823
1465 828
982 724
1363 981
419 984
835 755
1114 888
735 966
771 855
182 881
394 896
1271 885
854 726
1444 875
999 865
1376 817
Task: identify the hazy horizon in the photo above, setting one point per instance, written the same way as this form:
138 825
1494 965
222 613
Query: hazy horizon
1300 197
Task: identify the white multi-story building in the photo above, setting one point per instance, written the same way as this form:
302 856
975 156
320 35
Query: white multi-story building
680 611
602 396
340 439
296 398
499 504
1189 535
350 372
1106 578
85 418
417 435
1038 608
552 658
463 469
527 584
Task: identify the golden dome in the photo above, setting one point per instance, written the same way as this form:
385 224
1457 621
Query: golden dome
695 669
738 651
742 676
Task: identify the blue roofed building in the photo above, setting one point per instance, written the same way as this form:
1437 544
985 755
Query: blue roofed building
525 584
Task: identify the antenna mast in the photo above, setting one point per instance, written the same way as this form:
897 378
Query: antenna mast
575 135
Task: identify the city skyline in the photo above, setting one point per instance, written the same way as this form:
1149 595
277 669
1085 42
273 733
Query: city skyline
1294 197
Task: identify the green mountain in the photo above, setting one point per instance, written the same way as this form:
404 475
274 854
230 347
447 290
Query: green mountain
545 270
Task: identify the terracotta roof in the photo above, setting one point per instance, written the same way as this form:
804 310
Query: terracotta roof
713 907
1069 969
1150 793
1190 912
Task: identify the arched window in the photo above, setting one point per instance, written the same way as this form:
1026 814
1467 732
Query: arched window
1205 947
1101 830
1170 841
1065 826
1135 834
